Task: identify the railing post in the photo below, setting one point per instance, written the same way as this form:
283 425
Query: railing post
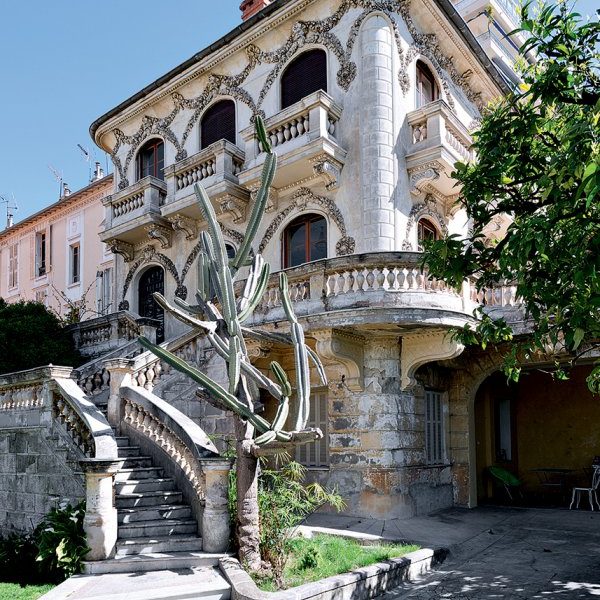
120 374
215 518
100 521
317 119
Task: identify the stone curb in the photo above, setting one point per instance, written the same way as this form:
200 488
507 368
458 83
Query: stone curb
360 584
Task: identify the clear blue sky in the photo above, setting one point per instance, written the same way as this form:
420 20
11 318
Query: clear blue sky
66 62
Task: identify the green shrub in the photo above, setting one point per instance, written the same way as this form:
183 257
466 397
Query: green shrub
310 559
42 338
50 553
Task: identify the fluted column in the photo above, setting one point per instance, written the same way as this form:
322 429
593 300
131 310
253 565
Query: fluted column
377 135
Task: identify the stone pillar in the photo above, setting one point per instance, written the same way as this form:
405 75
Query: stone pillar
377 135
100 521
215 526
120 373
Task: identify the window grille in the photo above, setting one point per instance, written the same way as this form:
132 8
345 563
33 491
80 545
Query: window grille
316 454
434 428
218 123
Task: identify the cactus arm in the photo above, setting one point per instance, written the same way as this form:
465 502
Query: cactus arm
183 317
283 338
213 388
257 296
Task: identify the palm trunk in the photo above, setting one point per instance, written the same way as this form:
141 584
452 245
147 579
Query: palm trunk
247 526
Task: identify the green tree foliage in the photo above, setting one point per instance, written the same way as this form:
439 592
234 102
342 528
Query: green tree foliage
32 336
538 162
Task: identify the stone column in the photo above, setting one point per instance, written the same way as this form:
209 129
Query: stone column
377 135
100 521
215 524
120 373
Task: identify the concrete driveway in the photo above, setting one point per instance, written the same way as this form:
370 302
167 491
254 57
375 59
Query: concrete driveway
516 554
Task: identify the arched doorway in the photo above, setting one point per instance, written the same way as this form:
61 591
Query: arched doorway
152 280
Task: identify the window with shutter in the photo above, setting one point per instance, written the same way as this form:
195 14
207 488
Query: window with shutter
150 160
304 240
316 454
13 266
427 89
218 123
434 428
306 74
426 231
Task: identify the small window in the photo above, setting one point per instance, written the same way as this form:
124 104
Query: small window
218 123
74 263
40 254
434 428
304 75
304 240
426 231
316 454
104 292
13 266
151 160
427 89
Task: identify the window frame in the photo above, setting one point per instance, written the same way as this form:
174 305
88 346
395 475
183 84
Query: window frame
153 143
305 219
41 254
75 261
282 100
222 101
423 72
427 225
435 419
13 266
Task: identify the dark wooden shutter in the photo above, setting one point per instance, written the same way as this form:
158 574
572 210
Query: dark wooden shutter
304 75
218 123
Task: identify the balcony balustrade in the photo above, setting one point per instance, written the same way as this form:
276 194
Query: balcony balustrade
304 136
439 140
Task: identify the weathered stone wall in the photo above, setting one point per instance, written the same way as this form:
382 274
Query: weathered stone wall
37 469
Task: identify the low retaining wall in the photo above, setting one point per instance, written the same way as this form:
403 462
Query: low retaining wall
360 584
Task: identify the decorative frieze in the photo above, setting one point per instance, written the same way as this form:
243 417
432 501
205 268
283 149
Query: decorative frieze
122 248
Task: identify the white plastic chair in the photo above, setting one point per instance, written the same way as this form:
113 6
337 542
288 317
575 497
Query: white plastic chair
591 491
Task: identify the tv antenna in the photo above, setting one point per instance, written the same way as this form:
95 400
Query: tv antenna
87 156
11 206
58 176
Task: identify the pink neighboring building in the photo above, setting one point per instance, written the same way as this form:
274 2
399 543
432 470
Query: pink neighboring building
56 254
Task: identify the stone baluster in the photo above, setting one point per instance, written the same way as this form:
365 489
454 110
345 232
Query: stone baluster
120 371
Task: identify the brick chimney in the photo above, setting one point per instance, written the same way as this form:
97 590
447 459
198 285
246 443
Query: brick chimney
251 7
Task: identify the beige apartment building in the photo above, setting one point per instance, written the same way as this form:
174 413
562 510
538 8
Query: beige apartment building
56 257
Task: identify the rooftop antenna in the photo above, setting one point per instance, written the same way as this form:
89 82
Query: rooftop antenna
58 176
87 156
11 206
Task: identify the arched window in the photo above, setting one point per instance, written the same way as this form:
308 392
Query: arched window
426 231
427 89
150 160
306 74
304 240
152 281
218 123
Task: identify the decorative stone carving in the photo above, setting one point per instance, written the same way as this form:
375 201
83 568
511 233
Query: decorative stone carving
329 170
423 175
122 248
160 233
231 205
21 397
424 347
185 224
73 423
427 208
299 202
345 246
343 353
272 200
258 349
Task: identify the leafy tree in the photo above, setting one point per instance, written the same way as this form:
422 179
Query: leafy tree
538 165
32 336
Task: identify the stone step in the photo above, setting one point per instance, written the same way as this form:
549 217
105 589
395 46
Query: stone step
139 473
169 543
140 486
122 441
153 513
158 527
155 561
136 462
153 498
128 451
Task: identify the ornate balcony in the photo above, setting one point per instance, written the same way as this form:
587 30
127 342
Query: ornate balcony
304 138
134 213
216 168
439 140
378 291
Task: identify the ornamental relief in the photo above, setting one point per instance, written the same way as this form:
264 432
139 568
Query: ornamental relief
427 208
303 33
299 202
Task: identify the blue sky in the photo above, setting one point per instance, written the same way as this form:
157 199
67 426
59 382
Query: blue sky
66 62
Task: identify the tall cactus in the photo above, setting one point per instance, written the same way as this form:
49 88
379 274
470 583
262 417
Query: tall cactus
222 323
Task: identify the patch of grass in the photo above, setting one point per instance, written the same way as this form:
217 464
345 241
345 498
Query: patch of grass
13 591
326 555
